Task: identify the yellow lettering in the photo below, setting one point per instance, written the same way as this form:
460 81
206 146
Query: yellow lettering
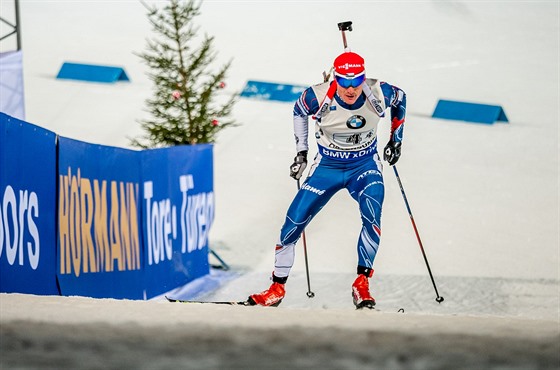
74 224
114 232
86 205
125 228
103 256
97 234
63 213
133 211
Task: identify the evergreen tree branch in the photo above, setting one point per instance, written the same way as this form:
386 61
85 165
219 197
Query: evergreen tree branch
183 106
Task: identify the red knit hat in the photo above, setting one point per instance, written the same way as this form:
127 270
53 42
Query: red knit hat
349 65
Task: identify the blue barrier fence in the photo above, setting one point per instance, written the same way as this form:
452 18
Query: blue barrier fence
27 208
99 214
178 213
101 221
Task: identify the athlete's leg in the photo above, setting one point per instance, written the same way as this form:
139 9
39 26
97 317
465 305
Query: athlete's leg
366 187
323 182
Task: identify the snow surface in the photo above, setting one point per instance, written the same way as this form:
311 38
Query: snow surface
484 197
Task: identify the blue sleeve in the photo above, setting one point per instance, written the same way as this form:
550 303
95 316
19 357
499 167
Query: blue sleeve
395 98
307 104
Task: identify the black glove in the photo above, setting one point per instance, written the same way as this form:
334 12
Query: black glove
392 152
300 162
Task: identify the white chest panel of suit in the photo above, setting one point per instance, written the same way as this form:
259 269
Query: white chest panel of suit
344 133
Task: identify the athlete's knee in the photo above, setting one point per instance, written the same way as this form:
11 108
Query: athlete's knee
290 234
293 227
370 209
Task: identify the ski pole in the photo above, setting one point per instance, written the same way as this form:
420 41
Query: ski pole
310 294
439 299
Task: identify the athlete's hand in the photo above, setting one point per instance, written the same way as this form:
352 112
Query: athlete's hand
392 152
300 162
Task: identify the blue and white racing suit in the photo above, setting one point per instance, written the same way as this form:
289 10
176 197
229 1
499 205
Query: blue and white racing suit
347 158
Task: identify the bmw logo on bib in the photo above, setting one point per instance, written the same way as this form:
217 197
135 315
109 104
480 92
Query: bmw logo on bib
356 122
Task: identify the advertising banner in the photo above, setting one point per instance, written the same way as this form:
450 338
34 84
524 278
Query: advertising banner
98 221
177 213
99 215
27 208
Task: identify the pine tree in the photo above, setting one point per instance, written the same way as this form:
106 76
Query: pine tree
183 107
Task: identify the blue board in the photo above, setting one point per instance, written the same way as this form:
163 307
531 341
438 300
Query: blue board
470 112
93 220
177 214
272 91
28 204
99 244
92 73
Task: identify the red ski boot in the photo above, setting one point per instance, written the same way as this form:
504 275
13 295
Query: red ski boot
360 293
271 297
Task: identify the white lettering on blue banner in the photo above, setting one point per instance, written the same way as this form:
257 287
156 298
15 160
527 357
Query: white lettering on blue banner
195 218
17 215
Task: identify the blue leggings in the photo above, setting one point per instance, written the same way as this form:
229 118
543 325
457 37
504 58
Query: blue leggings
364 181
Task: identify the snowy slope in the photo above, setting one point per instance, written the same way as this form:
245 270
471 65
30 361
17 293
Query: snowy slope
485 198
78 333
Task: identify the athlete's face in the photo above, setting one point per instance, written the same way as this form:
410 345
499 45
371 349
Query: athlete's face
349 95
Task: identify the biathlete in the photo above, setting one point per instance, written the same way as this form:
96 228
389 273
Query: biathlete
346 111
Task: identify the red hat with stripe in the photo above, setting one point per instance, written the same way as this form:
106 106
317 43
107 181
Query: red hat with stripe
349 65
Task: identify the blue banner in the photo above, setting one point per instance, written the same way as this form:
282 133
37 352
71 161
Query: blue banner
27 208
101 221
99 232
177 213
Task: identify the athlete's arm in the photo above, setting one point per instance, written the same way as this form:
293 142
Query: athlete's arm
304 107
396 99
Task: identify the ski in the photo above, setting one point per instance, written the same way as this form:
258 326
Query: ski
230 303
